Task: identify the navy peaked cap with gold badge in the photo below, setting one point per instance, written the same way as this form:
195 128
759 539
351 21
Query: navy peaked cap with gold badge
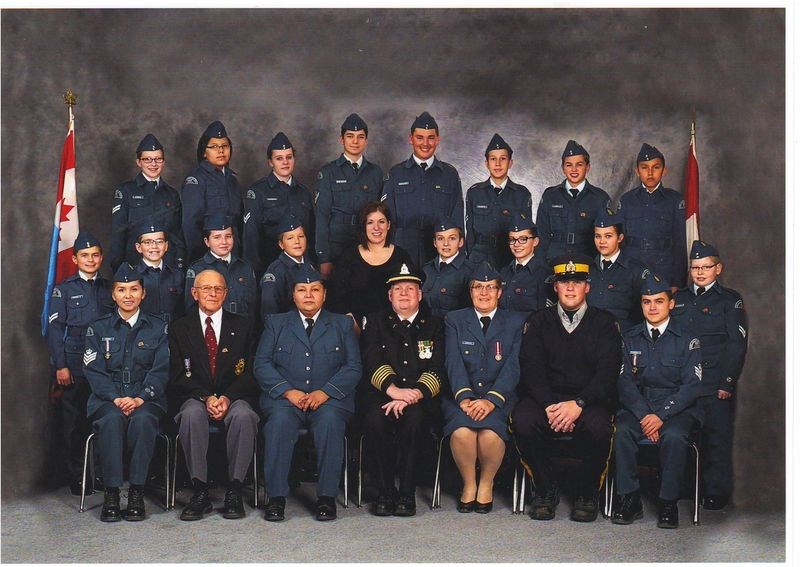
279 142
149 226
607 218
498 143
127 274
217 221
84 240
702 249
404 275
149 144
288 224
306 274
649 152
570 267
573 148
215 130
485 272
354 123
443 223
425 122
519 222
653 284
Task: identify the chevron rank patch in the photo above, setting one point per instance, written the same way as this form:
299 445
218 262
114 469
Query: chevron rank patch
115 209
743 331
383 197
89 356
698 371
246 218
52 317
191 181
694 344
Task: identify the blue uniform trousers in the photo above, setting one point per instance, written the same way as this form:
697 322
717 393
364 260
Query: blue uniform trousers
114 430
281 431
717 445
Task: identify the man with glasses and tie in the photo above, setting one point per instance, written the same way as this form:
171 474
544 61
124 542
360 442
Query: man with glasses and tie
162 282
524 285
567 210
146 198
492 204
344 186
716 315
211 381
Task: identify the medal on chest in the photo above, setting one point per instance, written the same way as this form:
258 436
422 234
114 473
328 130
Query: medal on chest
635 354
425 349
107 347
498 351
187 365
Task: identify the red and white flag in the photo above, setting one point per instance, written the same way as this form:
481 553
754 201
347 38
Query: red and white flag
691 194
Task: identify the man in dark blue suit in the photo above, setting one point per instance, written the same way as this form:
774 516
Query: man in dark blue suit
308 366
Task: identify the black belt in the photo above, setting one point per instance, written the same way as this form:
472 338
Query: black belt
569 238
123 377
73 331
345 219
649 243
490 240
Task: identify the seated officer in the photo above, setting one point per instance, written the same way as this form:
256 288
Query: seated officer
569 362
76 301
162 282
524 286
126 362
277 285
270 201
220 240
567 210
308 366
491 204
146 199
716 315
616 277
211 382
446 286
654 219
659 386
344 186
403 357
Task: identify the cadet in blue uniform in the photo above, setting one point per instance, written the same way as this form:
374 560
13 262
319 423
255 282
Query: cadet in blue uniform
567 210
210 188
616 277
492 204
482 349
277 284
524 285
242 284
344 186
162 282
146 198
660 384
421 190
76 302
308 366
654 220
403 356
446 286
127 365
716 315
270 201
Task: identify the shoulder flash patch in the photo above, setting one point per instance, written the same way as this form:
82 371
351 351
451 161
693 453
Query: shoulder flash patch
682 204
319 175
250 194
190 181
694 344
89 332
268 277
56 292
738 305
190 273
117 194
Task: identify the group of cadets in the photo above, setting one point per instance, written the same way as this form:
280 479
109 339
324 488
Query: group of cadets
203 277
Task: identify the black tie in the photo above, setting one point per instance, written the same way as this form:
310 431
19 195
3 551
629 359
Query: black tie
574 193
224 262
309 326
606 264
355 166
701 290
406 323
90 282
570 314
656 333
424 165
152 269
497 190
518 267
485 323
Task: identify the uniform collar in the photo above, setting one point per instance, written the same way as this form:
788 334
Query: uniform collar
149 264
451 260
502 185
205 164
86 278
303 317
658 189
214 257
344 160
581 186
289 261
709 287
142 180
132 321
489 315
412 162
273 180
614 258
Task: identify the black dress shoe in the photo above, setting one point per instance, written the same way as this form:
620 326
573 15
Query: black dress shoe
199 504
111 511
326 508
406 506
135 510
668 514
275 511
384 506
715 502
628 509
233 508
483 508
584 509
545 503
466 507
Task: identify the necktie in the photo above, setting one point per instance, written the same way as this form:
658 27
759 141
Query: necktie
574 193
606 264
518 267
211 347
424 165
152 269
497 190
656 333
90 282
224 262
355 166
485 323
570 314
701 290
309 326
406 324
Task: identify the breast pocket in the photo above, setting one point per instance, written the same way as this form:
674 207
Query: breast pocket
335 354
272 209
283 355
140 208
342 196
558 221
217 199
144 353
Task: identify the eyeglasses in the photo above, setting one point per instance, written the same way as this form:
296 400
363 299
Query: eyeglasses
217 147
149 160
701 269
153 242
521 240
488 287
209 288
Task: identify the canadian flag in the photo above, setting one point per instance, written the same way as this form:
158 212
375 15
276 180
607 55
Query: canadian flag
691 194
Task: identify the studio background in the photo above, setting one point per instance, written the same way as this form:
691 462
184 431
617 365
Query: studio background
611 79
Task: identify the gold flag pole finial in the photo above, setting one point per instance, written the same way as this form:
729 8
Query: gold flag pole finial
70 99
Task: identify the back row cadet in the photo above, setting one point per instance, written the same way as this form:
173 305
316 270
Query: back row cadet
567 210
344 186
210 188
654 219
162 282
524 278
492 204
716 315
446 277
421 190
146 198
76 302
270 201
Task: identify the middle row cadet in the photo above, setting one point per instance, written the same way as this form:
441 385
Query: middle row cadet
524 278
278 281
446 286
162 281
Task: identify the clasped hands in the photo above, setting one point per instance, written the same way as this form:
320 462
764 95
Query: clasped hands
306 402
401 399
563 415
476 409
217 407
127 405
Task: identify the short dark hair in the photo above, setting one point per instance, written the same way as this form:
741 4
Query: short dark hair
139 153
368 209
366 134
164 232
584 155
418 128
616 226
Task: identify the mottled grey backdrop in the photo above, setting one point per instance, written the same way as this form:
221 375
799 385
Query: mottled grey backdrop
609 78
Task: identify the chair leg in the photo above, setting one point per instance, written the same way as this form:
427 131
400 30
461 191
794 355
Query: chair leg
522 490
86 453
436 498
696 516
255 473
360 479
167 454
175 469
515 492
346 474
